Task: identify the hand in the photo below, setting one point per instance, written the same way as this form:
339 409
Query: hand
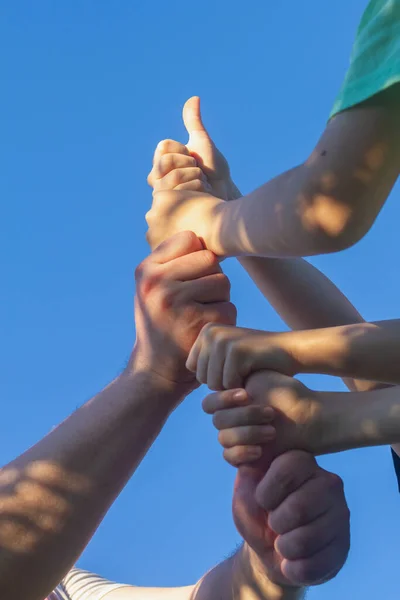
294 520
199 166
179 170
224 356
179 288
302 419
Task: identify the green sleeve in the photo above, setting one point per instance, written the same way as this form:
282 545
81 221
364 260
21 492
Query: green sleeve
375 59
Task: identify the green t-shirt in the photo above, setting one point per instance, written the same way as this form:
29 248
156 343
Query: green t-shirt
375 59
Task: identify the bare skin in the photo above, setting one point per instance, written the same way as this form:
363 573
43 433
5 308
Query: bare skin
302 296
326 204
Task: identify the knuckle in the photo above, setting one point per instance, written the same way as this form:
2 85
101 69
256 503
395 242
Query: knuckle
230 314
163 146
166 163
198 185
333 484
166 295
198 173
222 284
139 271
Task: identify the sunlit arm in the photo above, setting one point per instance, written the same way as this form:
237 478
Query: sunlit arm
307 300
330 201
54 496
366 351
240 577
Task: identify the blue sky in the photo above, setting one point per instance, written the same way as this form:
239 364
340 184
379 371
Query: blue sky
88 89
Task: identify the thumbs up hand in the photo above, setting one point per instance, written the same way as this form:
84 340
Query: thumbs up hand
201 146
199 166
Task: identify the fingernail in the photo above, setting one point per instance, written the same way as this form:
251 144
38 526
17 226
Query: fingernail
239 395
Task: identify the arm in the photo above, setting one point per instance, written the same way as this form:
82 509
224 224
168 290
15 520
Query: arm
337 340
243 577
54 496
307 299
240 577
330 201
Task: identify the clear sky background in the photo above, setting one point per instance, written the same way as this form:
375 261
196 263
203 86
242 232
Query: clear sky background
87 90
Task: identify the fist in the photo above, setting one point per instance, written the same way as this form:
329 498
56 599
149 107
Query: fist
294 518
174 168
274 414
199 166
179 288
223 356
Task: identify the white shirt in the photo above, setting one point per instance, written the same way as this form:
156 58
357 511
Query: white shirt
82 585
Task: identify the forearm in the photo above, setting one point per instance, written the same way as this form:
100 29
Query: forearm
54 496
280 219
360 419
243 577
366 351
330 200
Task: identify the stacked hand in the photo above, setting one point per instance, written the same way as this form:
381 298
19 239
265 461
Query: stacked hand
179 288
190 185
294 520
291 513
224 356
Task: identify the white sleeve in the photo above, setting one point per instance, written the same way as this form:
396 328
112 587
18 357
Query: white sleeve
83 585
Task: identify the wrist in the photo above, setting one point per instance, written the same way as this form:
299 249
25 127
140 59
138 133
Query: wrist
233 192
170 392
252 579
348 420
226 233
316 350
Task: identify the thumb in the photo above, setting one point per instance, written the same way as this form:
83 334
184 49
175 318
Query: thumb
192 118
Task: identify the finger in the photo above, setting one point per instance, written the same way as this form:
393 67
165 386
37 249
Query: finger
225 399
168 163
192 115
191 363
215 369
232 375
172 161
218 312
181 244
210 288
192 266
286 474
202 364
178 177
318 568
312 538
246 435
241 455
169 147
195 185
302 506
243 415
